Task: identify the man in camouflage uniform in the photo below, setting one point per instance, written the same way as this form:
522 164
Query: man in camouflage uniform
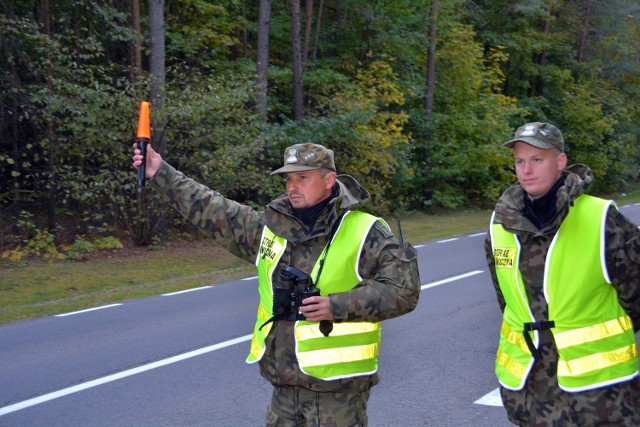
294 230
567 354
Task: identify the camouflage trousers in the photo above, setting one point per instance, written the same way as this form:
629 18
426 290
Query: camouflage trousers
615 405
297 406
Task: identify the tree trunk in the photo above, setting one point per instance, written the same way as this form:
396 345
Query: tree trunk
296 62
431 65
432 29
245 42
262 59
308 14
136 47
158 72
541 60
45 19
586 16
316 38
151 210
13 129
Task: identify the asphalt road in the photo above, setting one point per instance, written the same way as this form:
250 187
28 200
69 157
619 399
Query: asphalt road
178 360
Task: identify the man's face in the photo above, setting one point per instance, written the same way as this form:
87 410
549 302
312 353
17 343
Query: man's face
308 188
537 169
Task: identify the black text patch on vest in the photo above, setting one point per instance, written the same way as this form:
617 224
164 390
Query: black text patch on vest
266 248
504 257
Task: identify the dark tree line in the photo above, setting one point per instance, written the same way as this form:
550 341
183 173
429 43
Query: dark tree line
416 99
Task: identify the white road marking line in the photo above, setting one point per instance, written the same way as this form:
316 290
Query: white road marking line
490 399
447 240
452 239
250 278
87 310
186 290
110 378
478 234
450 279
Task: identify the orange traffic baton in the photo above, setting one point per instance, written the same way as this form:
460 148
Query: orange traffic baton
143 138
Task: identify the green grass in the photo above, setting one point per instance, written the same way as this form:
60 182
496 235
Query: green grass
38 288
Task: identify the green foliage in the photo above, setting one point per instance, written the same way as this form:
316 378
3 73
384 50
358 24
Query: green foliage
590 135
69 106
363 127
71 129
200 32
41 245
466 159
213 134
38 243
82 247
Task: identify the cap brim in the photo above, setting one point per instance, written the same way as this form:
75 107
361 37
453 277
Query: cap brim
293 168
531 141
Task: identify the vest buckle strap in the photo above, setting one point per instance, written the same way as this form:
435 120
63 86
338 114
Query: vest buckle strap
539 326
535 326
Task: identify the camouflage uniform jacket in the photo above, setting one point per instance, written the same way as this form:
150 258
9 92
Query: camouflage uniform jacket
391 285
541 402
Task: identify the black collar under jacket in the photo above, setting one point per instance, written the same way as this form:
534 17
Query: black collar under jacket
510 207
310 214
542 210
279 216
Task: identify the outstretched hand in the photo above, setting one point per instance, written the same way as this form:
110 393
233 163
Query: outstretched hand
154 160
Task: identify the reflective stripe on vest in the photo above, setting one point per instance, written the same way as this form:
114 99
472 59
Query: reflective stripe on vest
594 336
513 359
352 348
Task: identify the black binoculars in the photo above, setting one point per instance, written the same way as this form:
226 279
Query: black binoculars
291 288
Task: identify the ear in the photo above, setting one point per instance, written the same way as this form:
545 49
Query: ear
330 180
562 161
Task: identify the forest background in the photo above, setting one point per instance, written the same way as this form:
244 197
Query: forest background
415 97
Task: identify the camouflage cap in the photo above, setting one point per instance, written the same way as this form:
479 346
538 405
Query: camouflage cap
305 157
540 135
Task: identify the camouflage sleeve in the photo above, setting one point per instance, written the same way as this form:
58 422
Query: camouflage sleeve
492 270
623 262
234 226
390 285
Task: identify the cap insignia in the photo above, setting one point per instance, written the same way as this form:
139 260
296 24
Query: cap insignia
292 155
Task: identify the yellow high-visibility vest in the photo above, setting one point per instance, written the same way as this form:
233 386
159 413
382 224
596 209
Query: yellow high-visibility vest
352 348
594 336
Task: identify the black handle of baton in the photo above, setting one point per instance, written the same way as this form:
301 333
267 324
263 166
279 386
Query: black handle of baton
142 169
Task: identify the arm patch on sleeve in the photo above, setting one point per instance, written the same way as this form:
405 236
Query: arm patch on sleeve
387 233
